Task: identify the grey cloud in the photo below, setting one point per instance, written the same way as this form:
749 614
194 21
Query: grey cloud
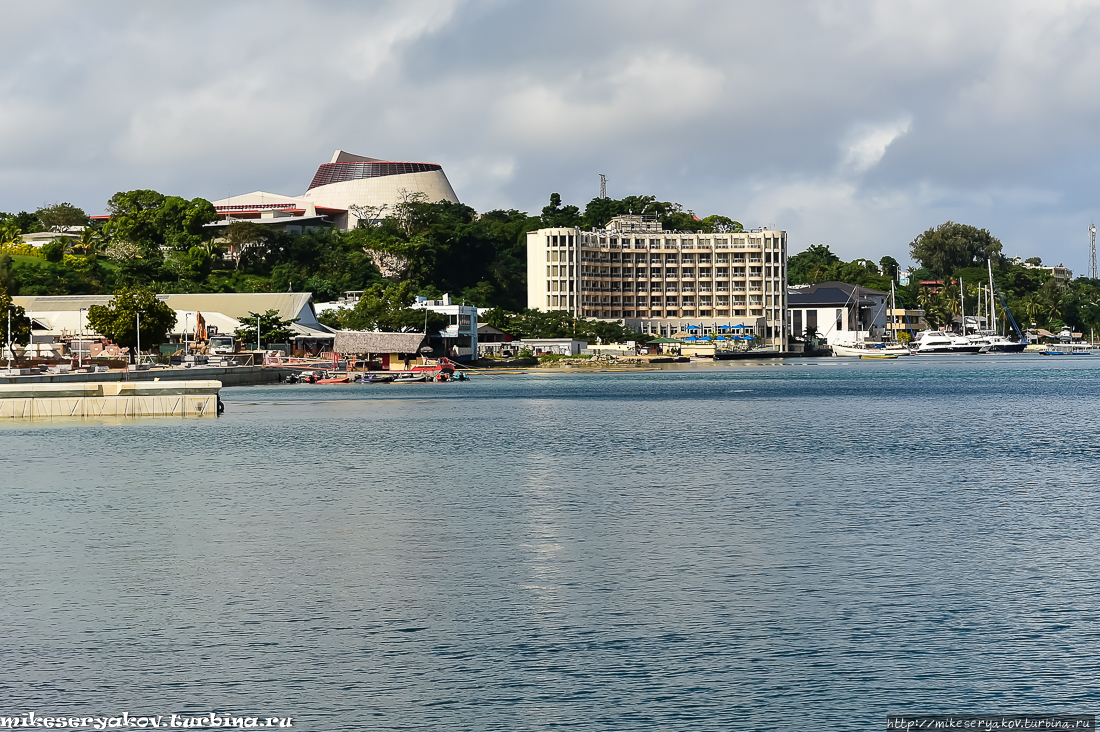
774 113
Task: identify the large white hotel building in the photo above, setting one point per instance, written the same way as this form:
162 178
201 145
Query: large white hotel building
662 282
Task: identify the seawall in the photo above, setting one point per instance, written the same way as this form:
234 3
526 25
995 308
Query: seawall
175 398
227 375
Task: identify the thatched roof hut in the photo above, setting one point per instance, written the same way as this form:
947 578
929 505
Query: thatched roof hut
361 341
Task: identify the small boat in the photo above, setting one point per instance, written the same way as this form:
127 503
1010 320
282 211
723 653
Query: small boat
870 350
880 355
410 378
342 380
1067 349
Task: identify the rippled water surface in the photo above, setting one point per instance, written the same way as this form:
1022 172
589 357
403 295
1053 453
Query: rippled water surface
810 545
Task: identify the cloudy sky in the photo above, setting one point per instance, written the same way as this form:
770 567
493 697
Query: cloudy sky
852 124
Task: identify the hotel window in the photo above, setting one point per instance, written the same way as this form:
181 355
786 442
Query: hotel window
796 319
839 319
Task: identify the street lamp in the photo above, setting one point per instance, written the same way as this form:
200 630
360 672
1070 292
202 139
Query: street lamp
80 343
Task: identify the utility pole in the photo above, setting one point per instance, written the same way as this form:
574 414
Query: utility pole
9 339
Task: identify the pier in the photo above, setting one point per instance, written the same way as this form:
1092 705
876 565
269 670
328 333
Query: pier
110 399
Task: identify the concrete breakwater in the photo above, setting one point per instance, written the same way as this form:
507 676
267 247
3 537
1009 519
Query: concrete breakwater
227 375
110 399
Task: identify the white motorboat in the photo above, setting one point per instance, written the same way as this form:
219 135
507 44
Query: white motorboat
934 341
1000 344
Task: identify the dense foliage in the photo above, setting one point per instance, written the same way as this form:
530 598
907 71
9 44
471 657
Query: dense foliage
118 319
952 253
20 323
273 329
386 307
561 324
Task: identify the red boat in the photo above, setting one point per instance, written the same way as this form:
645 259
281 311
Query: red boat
343 380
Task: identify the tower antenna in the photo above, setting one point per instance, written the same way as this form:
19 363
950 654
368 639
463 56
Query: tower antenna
1092 252
603 186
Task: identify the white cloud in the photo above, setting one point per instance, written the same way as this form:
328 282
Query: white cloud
869 144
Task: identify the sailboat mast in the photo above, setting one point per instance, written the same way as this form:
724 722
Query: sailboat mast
992 303
892 315
962 307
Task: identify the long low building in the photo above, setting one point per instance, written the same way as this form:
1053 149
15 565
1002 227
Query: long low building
63 317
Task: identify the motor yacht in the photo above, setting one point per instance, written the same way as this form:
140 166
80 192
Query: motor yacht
936 341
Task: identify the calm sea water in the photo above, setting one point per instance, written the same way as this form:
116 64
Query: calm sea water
810 545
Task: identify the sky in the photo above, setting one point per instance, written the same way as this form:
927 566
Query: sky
852 124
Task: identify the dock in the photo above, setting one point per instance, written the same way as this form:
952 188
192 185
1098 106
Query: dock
227 375
110 399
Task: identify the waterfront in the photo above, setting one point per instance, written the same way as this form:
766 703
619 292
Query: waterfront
806 543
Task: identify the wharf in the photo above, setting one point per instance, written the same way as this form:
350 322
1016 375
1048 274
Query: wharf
227 375
97 400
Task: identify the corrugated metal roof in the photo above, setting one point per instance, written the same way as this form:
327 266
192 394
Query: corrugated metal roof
62 310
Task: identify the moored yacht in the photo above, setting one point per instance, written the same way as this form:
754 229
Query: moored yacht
1000 344
936 341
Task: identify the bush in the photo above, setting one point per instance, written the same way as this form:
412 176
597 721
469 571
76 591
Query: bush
54 251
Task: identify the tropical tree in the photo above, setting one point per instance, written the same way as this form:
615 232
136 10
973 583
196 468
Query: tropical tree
151 220
20 323
802 267
950 246
61 217
889 267
273 329
386 307
54 251
720 224
92 240
10 233
556 215
118 319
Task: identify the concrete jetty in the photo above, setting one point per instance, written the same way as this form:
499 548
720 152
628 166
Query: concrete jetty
227 375
110 399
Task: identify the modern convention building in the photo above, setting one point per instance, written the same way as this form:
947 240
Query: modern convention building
662 282
343 191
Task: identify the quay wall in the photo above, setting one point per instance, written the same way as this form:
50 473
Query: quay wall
110 399
227 375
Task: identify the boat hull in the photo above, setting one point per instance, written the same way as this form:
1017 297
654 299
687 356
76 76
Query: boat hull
1004 348
938 350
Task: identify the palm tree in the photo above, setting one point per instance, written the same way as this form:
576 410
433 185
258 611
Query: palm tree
92 240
